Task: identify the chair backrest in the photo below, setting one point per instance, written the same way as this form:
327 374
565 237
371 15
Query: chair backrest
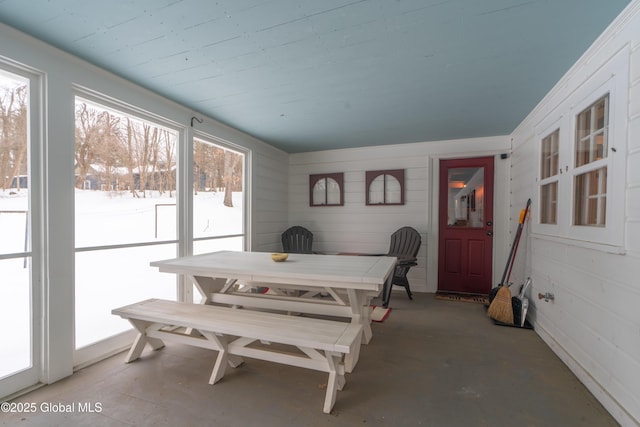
405 243
297 240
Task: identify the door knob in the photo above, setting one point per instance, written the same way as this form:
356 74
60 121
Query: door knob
489 223
489 233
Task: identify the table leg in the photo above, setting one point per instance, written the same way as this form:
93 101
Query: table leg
360 316
360 312
386 290
208 285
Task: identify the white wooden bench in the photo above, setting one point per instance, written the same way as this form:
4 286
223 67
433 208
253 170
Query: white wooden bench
322 343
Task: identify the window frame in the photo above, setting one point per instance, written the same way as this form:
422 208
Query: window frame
547 128
584 169
198 136
91 351
611 80
37 220
337 177
612 232
552 178
371 176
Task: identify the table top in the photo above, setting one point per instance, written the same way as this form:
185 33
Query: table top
349 272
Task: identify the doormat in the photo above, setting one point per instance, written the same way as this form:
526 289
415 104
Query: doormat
379 314
478 299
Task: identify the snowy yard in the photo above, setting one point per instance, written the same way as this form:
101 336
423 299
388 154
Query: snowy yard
105 279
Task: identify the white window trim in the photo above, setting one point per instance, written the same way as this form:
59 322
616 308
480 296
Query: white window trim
38 226
86 355
547 129
611 78
246 153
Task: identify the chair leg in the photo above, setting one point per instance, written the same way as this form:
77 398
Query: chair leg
408 291
387 296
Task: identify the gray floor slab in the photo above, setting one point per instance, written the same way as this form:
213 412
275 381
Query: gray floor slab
431 363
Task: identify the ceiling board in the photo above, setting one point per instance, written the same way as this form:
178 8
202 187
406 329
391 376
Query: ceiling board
314 75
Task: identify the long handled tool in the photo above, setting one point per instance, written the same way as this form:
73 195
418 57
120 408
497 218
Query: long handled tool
523 217
514 245
501 307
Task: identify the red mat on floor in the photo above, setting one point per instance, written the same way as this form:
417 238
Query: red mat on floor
379 314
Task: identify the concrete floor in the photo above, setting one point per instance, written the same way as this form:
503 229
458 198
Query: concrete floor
431 363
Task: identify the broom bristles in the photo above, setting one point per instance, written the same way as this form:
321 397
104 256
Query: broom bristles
501 308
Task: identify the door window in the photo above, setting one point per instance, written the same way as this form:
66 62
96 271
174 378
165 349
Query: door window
466 195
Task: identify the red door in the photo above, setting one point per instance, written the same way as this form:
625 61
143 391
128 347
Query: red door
465 245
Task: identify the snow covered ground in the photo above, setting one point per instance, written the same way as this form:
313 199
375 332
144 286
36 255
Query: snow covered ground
105 279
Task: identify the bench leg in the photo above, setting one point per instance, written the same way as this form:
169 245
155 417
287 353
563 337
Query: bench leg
221 361
235 360
219 368
223 358
136 348
142 339
336 380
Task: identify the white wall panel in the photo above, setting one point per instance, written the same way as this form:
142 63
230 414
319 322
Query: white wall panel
270 195
593 323
356 227
634 101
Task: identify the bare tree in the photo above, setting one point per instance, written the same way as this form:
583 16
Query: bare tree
86 119
231 163
109 150
199 153
97 133
129 159
152 166
208 166
168 176
218 169
13 134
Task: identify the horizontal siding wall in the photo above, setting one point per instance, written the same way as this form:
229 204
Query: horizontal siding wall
593 324
356 227
270 195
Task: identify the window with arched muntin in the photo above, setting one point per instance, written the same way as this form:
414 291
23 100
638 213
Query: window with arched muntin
326 189
385 187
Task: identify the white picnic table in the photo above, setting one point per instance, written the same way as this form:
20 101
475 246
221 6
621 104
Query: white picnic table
348 282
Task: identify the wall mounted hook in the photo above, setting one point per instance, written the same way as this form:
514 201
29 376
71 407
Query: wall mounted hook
196 119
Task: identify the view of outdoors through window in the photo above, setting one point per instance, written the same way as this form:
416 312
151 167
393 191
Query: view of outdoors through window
218 201
125 195
15 243
126 207
125 178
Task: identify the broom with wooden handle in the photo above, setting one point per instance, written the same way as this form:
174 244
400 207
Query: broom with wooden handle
512 253
521 220
501 308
